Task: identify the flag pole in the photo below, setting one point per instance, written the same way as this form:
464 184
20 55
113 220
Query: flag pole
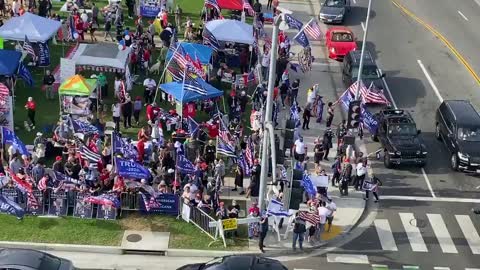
360 68
165 68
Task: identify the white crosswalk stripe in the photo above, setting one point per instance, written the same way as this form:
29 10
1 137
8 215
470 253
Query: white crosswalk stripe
441 230
442 234
413 233
470 233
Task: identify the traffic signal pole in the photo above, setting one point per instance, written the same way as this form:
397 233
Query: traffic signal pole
364 42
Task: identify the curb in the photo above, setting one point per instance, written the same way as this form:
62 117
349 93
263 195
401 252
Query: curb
63 247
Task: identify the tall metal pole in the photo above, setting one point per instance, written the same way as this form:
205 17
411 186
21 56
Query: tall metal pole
364 42
268 113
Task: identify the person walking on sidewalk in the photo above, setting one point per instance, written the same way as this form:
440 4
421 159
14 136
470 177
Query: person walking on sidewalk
360 175
299 229
330 113
375 182
327 142
337 170
318 153
345 178
263 231
307 113
300 149
332 206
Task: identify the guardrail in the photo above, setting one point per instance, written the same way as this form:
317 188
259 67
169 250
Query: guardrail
199 218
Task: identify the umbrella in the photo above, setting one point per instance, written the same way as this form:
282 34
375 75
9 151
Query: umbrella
77 86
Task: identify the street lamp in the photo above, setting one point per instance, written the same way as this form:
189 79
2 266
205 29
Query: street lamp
364 42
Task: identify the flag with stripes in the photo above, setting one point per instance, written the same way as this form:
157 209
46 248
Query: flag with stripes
80 126
60 177
224 148
25 187
309 217
249 152
193 126
242 162
42 184
193 84
193 66
313 29
308 185
212 4
184 165
27 46
175 71
223 131
302 39
294 114
293 22
120 145
178 54
4 92
369 95
210 39
248 8
89 154
72 31
109 199
276 208
149 201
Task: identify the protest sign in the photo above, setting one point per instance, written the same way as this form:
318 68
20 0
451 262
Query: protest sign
82 209
58 204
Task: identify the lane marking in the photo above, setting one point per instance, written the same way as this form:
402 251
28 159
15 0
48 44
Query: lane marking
380 266
347 258
477 1
461 14
385 235
428 183
430 199
413 233
429 79
441 268
442 38
363 26
470 233
442 234
355 2
410 267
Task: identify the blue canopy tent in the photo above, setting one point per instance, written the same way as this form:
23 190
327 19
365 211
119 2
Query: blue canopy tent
204 53
9 61
184 96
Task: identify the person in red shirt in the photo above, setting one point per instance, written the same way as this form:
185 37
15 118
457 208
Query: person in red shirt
212 129
141 149
80 27
31 106
189 110
146 59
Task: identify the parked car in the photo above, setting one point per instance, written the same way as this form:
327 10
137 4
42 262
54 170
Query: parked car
334 11
237 262
339 41
27 259
370 72
458 126
398 134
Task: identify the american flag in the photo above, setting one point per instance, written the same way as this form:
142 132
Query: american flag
225 148
178 54
42 184
27 46
242 162
32 201
223 130
175 71
210 39
4 92
313 29
249 152
248 7
311 218
213 4
149 202
369 95
104 199
194 66
89 154
25 187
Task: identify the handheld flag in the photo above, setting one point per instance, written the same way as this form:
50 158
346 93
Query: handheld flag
276 208
10 207
248 7
308 185
210 39
292 22
104 199
9 137
119 145
313 29
212 4
178 54
80 126
193 126
25 74
184 165
131 169
176 71
302 39
27 46
224 148
89 154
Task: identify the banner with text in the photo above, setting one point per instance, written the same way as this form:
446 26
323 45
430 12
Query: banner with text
164 204
43 54
150 8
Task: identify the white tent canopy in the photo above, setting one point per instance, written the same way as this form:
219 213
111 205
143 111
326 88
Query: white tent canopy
36 28
231 31
105 56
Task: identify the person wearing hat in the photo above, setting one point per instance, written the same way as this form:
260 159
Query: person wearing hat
327 141
31 107
299 230
263 231
58 165
209 152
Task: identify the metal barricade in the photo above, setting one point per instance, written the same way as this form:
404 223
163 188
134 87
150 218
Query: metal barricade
202 221
130 201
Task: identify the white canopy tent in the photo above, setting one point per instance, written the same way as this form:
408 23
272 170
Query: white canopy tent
101 57
231 31
36 28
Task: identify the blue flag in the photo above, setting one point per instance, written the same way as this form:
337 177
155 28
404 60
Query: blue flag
294 114
10 207
83 127
192 126
292 22
119 145
308 185
242 162
9 137
224 148
367 118
43 54
131 169
25 74
301 38
66 179
105 199
276 208
184 165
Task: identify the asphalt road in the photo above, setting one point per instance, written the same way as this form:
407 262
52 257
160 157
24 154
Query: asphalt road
432 248
398 43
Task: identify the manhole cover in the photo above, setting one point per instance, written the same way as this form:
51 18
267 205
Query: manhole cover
134 238
419 223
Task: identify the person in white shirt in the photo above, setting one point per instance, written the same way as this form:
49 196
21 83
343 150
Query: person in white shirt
333 208
300 149
323 213
117 85
15 8
116 108
361 172
148 93
265 64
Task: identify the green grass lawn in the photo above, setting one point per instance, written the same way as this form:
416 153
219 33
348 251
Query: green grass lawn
69 230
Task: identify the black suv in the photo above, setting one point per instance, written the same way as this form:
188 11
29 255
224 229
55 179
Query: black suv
458 125
398 135
370 72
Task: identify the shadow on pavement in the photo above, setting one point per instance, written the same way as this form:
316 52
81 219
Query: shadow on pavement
357 15
405 91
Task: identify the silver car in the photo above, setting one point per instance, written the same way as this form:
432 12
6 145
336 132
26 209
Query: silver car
334 11
27 259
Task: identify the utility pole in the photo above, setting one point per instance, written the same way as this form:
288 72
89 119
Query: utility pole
364 42
268 114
